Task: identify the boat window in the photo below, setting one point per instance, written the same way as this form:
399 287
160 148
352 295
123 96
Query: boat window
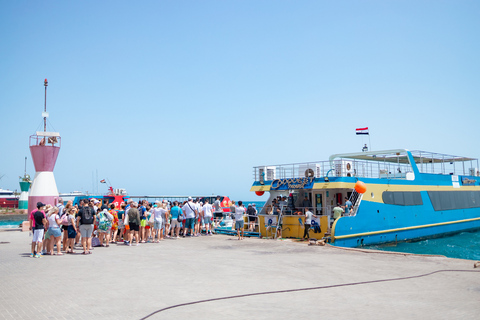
401 198
451 200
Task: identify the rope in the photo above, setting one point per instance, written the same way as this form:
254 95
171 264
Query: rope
301 289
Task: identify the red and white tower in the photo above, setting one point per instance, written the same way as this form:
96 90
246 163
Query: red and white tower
44 147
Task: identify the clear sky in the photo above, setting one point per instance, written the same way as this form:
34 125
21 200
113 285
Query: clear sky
186 97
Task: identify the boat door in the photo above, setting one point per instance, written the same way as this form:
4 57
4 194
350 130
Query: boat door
318 198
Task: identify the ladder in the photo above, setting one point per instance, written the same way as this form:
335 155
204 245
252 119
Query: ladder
355 199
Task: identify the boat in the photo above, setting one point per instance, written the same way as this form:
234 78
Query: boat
409 195
8 199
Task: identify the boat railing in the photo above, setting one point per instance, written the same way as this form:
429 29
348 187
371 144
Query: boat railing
341 168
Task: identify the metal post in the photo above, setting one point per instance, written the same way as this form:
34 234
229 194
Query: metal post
45 83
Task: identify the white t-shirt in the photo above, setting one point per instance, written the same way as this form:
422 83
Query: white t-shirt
239 211
207 210
189 213
158 214
308 217
52 222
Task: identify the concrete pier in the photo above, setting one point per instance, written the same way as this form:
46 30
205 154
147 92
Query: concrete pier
123 282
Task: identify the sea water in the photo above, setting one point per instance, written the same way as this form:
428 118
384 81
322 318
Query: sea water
464 245
10 224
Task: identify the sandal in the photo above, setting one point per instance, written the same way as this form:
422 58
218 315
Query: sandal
89 252
84 252
59 254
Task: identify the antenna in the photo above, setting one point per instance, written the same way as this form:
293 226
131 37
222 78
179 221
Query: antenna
25 166
45 115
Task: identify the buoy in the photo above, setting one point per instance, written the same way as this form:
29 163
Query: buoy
360 187
259 193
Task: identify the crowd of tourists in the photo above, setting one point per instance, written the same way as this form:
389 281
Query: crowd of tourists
92 223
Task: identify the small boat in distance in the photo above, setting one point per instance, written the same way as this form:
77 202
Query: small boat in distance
409 194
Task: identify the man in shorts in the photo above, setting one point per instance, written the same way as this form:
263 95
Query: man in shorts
239 222
207 217
218 211
37 225
175 213
86 220
190 213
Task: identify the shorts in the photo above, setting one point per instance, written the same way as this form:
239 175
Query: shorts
143 223
38 235
55 232
190 223
86 230
252 218
207 220
47 234
103 231
157 225
218 214
239 224
134 227
71 232
175 223
127 227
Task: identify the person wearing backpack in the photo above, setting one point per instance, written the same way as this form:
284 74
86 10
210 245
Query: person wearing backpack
104 227
86 220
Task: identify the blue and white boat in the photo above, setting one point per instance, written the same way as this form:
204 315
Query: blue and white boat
409 194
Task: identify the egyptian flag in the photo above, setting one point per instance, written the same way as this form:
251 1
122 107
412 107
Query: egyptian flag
362 130
103 181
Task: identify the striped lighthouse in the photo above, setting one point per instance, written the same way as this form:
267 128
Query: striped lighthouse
23 201
44 148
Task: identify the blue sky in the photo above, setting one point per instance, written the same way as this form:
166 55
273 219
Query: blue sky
185 97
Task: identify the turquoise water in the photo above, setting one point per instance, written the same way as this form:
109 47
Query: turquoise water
464 245
8 224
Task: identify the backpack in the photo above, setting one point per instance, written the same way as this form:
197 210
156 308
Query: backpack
87 216
102 222
64 220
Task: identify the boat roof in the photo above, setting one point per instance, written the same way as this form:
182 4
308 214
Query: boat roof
400 156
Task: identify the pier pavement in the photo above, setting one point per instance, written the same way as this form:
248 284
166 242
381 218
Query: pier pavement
123 282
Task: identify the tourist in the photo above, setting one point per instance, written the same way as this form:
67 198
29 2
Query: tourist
308 223
239 222
348 206
150 222
143 219
46 236
134 223
337 211
114 229
190 214
158 214
232 210
86 220
252 217
166 221
121 224
207 217
37 223
176 216
218 211
71 229
104 230
54 231
198 218
64 219
306 203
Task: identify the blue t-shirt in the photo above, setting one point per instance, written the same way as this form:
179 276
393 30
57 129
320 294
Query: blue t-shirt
142 210
175 212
